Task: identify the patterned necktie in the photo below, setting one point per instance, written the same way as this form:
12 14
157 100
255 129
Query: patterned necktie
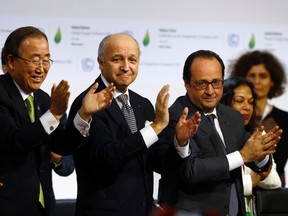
31 111
128 112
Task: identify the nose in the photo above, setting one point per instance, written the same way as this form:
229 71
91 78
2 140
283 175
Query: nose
209 89
255 80
40 68
246 106
125 65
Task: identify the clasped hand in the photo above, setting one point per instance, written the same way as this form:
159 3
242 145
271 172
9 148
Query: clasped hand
259 146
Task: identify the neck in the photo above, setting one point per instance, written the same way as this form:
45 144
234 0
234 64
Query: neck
261 103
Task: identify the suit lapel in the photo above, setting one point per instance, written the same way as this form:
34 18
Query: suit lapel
37 106
205 126
114 109
16 99
226 126
212 133
138 111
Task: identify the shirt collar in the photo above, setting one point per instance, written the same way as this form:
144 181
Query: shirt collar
117 92
24 95
213 112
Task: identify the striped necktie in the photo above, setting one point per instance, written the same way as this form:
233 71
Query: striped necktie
128 112
31 111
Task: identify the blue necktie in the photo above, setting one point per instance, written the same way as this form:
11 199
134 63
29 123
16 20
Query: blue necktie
233 204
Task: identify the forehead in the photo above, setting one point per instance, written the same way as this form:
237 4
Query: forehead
258 69
121 44
243 90
206 69
34 45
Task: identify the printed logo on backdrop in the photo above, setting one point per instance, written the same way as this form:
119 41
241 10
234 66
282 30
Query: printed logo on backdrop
146 39
87 64
233 40
58 36
252 42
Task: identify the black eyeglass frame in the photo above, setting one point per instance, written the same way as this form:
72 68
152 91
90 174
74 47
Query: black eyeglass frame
203 84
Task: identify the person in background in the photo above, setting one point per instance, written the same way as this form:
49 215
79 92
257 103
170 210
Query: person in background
267 74
210 181
30 123
239 94
114 166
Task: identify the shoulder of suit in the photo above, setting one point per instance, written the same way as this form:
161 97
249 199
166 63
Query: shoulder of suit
133 94
227 110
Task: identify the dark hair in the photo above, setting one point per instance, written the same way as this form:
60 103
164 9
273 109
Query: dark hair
3 59
15 38
205 54
241 67
228 93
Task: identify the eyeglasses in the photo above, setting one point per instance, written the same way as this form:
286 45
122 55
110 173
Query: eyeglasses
203 84
37 63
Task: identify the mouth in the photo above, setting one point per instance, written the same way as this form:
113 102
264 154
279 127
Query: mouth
246 116
209 99
257 89
37 79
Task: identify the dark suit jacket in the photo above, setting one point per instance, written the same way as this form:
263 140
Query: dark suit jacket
24 151
281 154
64 169
114 168
206 178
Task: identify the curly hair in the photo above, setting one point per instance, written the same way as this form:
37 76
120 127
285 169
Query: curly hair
276 70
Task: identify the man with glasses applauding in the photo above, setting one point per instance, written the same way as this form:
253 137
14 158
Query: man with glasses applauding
210 181
30 123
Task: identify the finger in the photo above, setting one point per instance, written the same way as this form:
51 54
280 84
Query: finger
184 114
166 100
93 89
162 93
270 145
197 117
275 129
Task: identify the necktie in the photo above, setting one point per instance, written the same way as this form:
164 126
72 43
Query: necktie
31 111
233 204
30 106
211 120
128 112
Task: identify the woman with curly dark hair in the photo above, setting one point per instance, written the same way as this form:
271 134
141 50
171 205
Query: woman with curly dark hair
267 74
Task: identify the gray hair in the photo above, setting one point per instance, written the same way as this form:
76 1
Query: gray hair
104 41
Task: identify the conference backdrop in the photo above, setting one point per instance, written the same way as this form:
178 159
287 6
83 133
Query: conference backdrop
164 47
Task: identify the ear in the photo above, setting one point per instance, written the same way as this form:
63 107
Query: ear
186 84
100 62
10 61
